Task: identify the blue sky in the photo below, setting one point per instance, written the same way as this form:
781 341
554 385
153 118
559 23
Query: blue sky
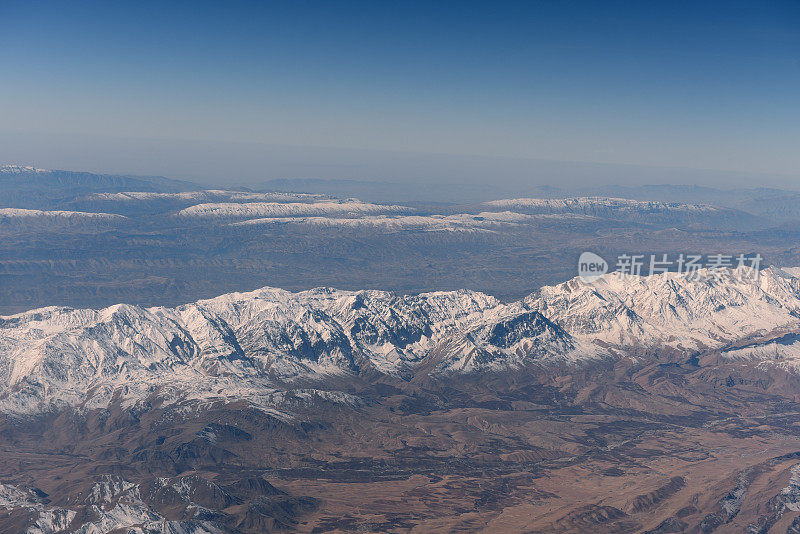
698 85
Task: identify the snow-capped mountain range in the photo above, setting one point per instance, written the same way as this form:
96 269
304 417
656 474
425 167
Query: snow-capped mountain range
278 209
20 169
441 223
207 196
257 346
592 204
646 211
20 213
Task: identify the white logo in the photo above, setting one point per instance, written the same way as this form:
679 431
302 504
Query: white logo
591 267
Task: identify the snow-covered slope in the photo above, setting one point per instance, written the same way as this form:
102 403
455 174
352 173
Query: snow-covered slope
18 220
20 213
278 209
20 169
594 204
272 347
631 210
206 196
674 310
428 223
113 504
237 346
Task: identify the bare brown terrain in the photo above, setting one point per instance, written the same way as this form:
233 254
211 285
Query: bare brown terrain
647 447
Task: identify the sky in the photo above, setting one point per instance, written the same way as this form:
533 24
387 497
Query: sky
405 91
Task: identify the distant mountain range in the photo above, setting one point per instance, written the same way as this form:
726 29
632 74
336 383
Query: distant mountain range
28 187
173 242
775 205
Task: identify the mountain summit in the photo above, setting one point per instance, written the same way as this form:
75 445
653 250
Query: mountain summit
250 346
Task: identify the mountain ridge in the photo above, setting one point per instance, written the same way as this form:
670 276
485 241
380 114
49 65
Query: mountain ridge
249 346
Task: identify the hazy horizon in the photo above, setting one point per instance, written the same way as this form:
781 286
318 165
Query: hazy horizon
253 164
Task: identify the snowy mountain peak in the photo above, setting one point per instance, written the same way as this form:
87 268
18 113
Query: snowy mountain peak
252 346
680 309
